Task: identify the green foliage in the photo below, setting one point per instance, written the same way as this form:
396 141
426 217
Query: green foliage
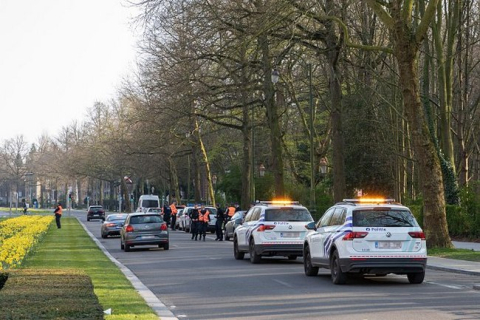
450 184
231 184
457 220
470 204
417 211
265 187
369 151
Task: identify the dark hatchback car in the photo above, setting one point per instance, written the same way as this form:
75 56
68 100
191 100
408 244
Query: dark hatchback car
237 219
95 212
144 229
113 224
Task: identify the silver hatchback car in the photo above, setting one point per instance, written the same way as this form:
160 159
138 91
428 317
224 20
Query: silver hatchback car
144 229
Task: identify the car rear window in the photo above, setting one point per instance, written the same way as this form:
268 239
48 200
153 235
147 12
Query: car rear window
116 217
287 214
383 218
145 219
150 204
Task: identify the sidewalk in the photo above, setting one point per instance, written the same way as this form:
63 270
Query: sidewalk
457 266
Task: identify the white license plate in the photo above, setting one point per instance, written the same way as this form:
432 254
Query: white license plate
389 245
148 237
289 234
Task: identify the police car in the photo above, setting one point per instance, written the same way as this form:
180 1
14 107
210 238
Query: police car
272 228
366 237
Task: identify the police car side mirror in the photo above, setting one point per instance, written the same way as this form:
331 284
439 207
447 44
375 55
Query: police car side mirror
311 226
238 221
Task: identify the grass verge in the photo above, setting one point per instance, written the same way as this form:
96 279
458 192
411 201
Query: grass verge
72 248
458 254
48 294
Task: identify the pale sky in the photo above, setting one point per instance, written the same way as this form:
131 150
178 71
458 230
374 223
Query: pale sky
57 57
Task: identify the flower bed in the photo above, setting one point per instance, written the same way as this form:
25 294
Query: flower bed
18 236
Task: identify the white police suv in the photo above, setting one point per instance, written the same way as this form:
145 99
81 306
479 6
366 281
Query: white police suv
366 237
272 228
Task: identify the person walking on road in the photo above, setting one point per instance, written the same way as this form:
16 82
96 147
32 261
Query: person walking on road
194 222
58 215
203 219
219 223
173 209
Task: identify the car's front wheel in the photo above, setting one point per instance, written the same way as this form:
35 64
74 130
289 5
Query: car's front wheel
236 252
308 267
338 276
104 236
416 278
254 257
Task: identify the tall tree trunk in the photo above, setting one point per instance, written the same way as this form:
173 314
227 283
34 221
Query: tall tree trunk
407 36
273 118
334 79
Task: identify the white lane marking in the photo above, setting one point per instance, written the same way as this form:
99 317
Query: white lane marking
446 285
284 283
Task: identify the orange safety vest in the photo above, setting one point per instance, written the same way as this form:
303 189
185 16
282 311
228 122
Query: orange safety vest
174 209
206 217
59 211
200 216
231 211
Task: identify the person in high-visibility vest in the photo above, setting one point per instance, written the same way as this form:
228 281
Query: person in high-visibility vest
230 212
58 215
203 219
173 209
194 214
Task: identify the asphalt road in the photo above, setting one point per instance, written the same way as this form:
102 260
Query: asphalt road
202 280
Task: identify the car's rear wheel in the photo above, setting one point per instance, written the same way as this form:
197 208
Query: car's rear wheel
309 269
227 237
127 247
166 246
254 257
104 236
88 219
236 253
416 278
338 276
122 247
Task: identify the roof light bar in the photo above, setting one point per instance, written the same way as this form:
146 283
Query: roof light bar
280 202
370 200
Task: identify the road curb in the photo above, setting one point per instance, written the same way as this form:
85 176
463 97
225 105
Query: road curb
453 270
150 298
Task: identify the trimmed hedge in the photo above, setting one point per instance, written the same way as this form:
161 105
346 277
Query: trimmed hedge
48 294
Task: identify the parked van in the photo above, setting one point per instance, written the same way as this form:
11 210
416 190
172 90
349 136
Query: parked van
148 201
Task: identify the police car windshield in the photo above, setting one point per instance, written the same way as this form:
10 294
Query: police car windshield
384 218
287 214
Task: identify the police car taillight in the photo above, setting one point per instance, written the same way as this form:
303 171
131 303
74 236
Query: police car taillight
417 235
163 227
129 228
264 227
355 235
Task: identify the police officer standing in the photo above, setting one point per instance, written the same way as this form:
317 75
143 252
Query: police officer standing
173 209
167 212
203 219
194 222
219 224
